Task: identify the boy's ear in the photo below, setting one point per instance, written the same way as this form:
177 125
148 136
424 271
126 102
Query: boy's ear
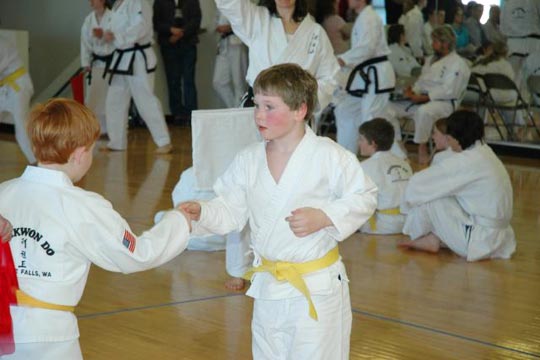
302 111
77 154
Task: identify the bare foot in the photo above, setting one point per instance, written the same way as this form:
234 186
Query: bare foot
429 243
235 284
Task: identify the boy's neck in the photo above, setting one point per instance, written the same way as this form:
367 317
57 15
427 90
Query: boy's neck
65 168
288 143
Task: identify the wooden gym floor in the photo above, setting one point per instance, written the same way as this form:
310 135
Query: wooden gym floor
406 304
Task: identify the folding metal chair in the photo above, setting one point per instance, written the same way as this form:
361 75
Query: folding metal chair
533 83
493 81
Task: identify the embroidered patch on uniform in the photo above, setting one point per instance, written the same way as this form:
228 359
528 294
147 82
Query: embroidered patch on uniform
129 241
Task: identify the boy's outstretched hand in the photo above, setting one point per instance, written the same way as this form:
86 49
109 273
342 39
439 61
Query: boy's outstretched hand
306 221
5 229
192 209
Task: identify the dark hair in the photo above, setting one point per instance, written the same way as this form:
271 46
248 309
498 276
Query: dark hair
394 33
380 131
500 51
323 9
300 9
466 127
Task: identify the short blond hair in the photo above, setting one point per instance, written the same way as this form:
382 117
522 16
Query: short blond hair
445 34
59 126
294 85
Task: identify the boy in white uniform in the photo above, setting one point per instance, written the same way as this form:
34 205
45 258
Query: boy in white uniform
16 90
96 55
59 230
389 172
131 74
463 202
302 195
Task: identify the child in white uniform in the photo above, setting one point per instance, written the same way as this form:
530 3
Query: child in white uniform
464 201
59 230
302 194
389 172
96 55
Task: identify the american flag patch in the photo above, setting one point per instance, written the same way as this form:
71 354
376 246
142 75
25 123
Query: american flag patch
129 241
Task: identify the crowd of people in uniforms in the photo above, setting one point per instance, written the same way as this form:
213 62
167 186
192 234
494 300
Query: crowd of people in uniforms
293 185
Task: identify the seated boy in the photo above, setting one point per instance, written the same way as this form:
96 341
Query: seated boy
302 194
389 172
59 230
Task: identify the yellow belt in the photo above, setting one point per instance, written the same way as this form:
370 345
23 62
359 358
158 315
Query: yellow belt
373 219
12 78
292 272
23 299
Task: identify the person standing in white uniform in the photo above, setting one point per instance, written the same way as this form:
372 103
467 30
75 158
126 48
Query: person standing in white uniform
231 64
282 31
96 56
131 74
16 90
369 53
389 172
302 195
463 202
59 230
520 23
438 90
414 28
276 32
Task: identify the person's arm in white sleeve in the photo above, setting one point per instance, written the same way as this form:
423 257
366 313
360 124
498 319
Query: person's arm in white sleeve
244 17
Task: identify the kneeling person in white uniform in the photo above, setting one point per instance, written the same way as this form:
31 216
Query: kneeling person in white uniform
389 172
59 230
463 202
302 194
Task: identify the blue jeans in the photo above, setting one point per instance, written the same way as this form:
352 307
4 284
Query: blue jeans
180 60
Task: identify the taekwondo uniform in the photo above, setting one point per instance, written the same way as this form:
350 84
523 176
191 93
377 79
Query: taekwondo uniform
402 60
131 74
444 81
391 174
465 200
319 174
269 45
414 30
441 156
520 23
231 66
16 89
59 230
370 51
96 54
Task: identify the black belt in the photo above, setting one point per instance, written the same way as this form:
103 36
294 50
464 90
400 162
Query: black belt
105 58
533 36
364 74
114 70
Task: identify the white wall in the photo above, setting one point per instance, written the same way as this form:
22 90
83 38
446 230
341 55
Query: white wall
54 31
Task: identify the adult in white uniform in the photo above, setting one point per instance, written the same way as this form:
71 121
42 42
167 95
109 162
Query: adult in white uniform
369 51
131 74
96 55
414 28
283 32
520 23
300 203
60 230
389 172
231 64
463 202
16 89
438 90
